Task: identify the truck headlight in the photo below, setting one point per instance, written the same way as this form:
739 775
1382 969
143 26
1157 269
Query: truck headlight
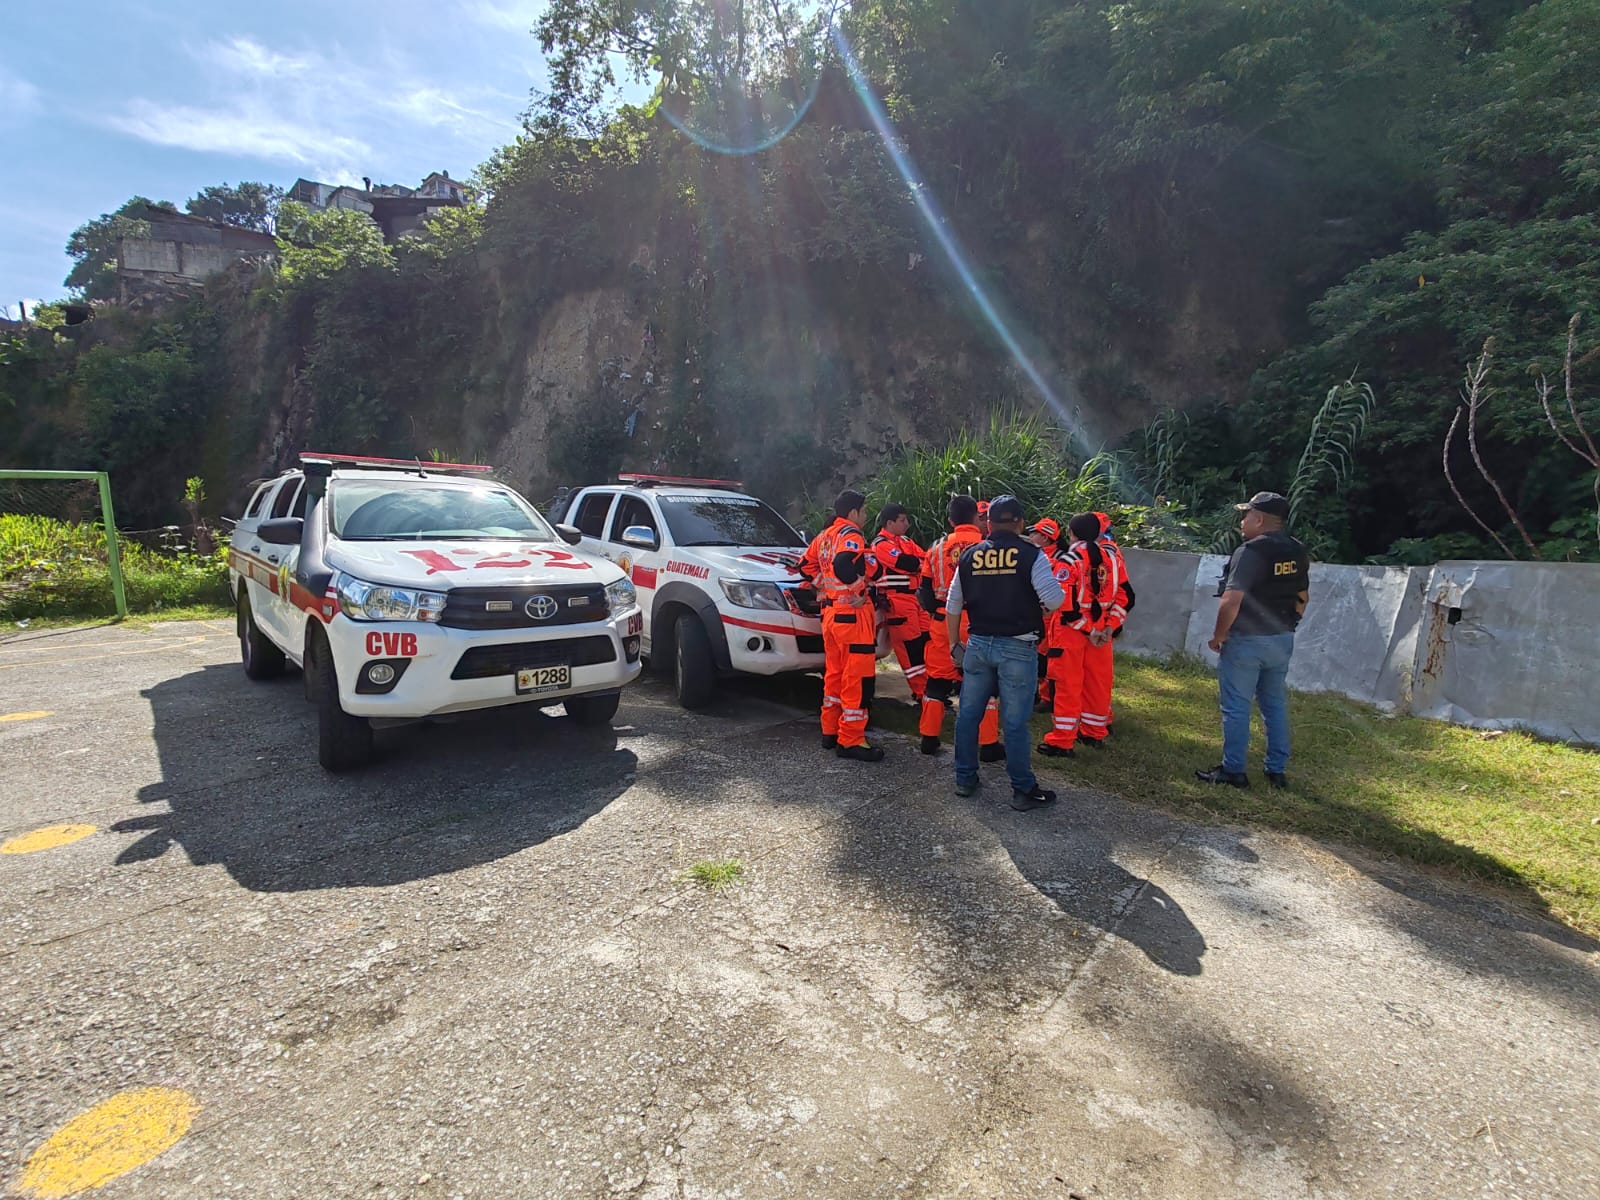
620 596
365 601
748 594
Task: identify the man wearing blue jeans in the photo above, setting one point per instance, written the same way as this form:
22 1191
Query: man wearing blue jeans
1005 586
1264 593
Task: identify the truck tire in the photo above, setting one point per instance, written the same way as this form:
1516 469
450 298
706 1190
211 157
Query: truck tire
343 742
261 659
694 675
592 710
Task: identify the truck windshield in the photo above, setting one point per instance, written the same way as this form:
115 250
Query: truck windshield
371 510
725 521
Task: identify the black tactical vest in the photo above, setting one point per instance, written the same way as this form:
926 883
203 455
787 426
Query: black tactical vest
997 590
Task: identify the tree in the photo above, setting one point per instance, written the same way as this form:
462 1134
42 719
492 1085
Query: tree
249 206
316 245
722 66
93 247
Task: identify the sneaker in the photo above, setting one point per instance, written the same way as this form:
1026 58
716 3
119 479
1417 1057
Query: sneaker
965 790
930 745
861 753
1219 774
1098 743
993 752
1037 798
1277 779
1049 751
830 741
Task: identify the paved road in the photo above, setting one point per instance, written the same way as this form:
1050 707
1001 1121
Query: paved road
473 970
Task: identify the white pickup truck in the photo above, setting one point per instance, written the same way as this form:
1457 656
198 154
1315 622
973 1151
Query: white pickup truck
717 573
407 590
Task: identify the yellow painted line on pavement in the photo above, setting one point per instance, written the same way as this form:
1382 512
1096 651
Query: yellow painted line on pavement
165 645
26 716
47 838
108 1140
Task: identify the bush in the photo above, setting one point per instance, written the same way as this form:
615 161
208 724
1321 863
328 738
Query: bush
51 568
1026 459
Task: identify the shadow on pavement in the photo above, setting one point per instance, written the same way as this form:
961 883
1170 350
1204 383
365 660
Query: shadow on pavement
239 774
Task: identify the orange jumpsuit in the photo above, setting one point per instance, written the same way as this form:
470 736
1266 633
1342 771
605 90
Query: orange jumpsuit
842 572
1125 600
900 565
1079 670
943 678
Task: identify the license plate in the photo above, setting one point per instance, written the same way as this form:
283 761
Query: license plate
543 679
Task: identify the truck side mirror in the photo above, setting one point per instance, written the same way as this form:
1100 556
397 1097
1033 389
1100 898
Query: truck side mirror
570 534
281 531
641 536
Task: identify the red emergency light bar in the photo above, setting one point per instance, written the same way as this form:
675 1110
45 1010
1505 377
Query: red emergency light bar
679 480
409 464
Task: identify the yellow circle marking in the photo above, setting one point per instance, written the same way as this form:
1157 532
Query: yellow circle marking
27 716
47 838
108 1140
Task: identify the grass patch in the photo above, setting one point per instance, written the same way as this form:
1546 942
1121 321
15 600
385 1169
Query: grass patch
57 570
715 875
1509 808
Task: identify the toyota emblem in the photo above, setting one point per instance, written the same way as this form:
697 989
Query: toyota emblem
540 608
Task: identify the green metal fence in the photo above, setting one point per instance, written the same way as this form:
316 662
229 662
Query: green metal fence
107 517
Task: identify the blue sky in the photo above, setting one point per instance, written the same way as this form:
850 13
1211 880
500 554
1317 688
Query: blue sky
161 99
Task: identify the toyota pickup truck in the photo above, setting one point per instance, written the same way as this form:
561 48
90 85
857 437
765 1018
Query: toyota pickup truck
406 590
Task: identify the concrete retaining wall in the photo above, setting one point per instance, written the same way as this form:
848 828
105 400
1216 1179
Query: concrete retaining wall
1488 644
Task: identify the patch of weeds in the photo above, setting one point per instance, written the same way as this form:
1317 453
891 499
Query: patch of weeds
715 875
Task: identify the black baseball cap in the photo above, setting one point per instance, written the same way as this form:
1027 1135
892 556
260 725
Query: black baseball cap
1270 503
1005 508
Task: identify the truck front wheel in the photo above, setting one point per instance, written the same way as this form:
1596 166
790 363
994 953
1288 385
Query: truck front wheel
344 742
694 675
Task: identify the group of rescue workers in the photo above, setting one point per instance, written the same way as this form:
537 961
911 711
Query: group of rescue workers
989 569
1014 625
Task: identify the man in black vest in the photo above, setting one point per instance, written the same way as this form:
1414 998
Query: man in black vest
1005 586
1264 595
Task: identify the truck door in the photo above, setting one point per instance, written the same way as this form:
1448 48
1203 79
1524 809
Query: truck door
276 612
640 563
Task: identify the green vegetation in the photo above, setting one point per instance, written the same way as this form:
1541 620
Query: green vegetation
1296 223
1506 809
54 569
715 875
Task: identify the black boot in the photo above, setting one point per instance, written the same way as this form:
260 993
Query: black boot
1049 751
930 745
1218 774
993 752
1038 798
861 753
830 741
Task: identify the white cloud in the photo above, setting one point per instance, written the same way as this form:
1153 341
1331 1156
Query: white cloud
248 131
516 16
323 113
250 57
18 97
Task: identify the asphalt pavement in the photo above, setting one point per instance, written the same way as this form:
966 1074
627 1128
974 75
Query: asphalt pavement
478 969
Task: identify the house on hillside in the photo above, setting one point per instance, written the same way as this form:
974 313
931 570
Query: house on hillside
397 209
180 253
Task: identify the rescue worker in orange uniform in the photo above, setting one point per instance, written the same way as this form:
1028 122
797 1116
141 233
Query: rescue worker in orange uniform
1045 534
944 680
841 569
900 572
1080 639
1111 546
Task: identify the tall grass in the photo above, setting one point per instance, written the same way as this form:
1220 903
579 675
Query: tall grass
1024 458
51 568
